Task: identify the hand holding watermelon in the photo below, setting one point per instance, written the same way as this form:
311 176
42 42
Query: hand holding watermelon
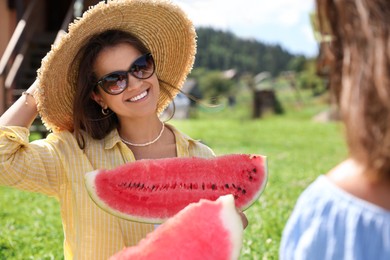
244 219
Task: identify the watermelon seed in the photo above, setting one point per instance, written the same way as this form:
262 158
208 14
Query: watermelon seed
250 178
234 186
254 170
244 191
202 186
239 188
213 187
227 186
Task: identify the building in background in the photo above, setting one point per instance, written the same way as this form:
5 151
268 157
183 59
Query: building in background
28 29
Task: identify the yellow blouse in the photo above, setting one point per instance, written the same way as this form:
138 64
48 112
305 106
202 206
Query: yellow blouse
56 166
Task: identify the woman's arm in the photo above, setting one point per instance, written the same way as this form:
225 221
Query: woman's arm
35 166
23 111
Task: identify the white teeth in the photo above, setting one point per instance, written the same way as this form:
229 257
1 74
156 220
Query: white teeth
138 97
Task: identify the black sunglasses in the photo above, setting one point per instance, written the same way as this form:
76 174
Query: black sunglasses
116 82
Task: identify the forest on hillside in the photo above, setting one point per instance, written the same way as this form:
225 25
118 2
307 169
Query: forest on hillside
254 63
222 50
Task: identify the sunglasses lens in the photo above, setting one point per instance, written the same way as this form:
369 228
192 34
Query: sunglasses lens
143 67
115 83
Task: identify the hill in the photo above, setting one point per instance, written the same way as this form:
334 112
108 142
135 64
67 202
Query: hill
222 50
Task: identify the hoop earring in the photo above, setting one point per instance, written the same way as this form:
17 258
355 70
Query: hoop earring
105 111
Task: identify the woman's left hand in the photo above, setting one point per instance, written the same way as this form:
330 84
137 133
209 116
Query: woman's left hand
243 219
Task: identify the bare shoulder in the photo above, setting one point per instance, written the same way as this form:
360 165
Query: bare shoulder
350 177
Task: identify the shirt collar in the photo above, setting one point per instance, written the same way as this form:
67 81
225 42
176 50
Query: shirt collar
183 142
111 139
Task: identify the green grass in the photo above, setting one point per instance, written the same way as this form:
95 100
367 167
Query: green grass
30 226
298 150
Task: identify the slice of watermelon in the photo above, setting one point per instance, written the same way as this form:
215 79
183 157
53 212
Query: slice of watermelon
203 230
154 190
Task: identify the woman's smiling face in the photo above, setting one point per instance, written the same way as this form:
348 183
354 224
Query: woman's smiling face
140 98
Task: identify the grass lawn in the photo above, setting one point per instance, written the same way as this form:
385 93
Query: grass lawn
298 150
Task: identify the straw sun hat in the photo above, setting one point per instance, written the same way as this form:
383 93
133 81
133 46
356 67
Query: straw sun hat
162 26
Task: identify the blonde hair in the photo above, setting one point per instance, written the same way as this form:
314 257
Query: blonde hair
359 73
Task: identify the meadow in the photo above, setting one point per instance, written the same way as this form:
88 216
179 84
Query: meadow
298 149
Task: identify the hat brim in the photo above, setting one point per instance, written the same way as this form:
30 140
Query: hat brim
162 26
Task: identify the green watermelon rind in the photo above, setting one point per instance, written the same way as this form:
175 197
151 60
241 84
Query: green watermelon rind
90 182
91 188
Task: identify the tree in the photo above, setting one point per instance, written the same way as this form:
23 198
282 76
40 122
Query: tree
214 86
221 50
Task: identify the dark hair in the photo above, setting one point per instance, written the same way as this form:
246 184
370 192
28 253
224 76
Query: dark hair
87 114
359 61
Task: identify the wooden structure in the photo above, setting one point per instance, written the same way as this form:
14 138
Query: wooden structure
265 101
29 28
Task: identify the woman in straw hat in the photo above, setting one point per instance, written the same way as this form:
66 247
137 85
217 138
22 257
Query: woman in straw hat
101 89
345 214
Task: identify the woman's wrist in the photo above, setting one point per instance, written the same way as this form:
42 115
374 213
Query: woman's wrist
29 97
23 112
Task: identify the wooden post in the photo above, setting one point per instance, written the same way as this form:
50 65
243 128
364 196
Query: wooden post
2 95
265 100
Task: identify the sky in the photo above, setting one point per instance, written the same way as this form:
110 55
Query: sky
283 22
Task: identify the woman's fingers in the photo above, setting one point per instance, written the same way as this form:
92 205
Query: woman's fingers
243 219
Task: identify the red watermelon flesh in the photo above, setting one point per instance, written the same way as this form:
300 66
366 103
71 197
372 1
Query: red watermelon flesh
204 230
154 190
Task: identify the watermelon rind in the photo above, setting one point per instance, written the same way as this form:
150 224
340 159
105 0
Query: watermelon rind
232 222
90 183
262 187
